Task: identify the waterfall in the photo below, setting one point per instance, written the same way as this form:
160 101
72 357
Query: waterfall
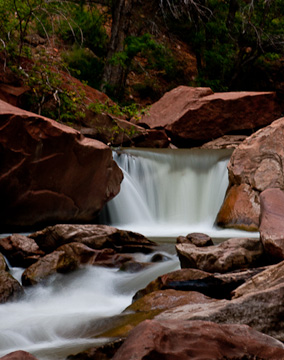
166 193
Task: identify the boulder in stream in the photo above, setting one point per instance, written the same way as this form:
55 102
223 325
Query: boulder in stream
256 165
50 173
19 355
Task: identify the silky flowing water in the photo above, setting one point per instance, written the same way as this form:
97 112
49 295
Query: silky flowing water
165 193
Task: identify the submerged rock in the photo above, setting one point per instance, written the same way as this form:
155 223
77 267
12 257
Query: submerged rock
50 173
198 340
194 116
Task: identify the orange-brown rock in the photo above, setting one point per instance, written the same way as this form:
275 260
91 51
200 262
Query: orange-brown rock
197 239
50 172
256 165
240 209
193 116
272 222
197 340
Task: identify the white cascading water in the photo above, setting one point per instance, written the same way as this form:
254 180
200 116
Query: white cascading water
166 193
63 316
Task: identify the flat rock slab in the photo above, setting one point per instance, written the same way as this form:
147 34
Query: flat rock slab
262 310
197 340
191 115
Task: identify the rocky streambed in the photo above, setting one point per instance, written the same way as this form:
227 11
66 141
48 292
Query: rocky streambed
225 302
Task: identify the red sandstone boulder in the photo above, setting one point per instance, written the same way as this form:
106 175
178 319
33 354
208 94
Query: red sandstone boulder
272 222
10 288
20 250
197 115
230 255
197 340
94 236
256 165
51 173
19 355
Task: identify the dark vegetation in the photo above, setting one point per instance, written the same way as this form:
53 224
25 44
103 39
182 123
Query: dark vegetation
136 50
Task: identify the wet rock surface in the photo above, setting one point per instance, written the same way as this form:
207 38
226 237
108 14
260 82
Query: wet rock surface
177 339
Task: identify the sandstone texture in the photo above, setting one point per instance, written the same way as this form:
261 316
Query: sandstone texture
272 222
230 255
50 172
256 165
271 276
197 340
193 116
262 310
94 236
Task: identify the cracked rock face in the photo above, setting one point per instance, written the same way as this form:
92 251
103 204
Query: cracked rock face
50 172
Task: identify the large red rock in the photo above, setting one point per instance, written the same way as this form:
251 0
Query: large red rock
197 340
272 222
50 172
197 115
256 165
